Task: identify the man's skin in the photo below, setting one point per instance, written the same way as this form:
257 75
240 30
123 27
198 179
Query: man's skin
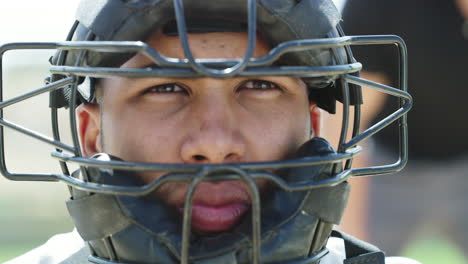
200 121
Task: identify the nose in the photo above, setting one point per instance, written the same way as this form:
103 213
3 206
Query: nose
214 136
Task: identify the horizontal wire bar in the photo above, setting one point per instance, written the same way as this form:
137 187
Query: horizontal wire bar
29 177
303 186
157 167
117 189
47 88
379 87
148 51
148 188
36 135
298 71
378 170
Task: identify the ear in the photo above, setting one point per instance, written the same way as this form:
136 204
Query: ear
315 119
89 128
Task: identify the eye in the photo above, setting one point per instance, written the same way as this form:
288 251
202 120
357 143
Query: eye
167 88
261 85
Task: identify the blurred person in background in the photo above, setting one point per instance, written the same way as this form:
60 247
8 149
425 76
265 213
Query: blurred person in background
427 201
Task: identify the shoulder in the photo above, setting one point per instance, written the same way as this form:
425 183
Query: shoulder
337 254
58 249
336 250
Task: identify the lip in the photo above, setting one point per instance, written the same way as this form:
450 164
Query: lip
218 207
208 218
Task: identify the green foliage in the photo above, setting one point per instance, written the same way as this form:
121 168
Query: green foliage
8 252
433 251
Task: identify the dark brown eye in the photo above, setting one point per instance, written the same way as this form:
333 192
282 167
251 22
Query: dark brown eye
260 85
167 88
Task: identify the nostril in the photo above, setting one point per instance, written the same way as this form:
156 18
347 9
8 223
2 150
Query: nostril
199 157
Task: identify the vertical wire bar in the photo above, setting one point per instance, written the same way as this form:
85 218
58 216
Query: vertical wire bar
227 72
54 110
3 167
345 94
345 122
56 136
357 106
356 125
187 220
403 123
73 126
256 220
256 213
72 106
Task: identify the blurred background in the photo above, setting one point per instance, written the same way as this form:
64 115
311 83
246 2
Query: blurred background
30 213
421 211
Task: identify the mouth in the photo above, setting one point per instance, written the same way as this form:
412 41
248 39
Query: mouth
218 207
210 218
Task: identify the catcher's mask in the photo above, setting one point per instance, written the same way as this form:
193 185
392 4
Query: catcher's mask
309 191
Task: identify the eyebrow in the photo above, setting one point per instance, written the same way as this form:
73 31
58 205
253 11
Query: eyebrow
138 71
212 62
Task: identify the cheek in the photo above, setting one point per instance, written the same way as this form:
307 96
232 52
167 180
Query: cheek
277 132
136 136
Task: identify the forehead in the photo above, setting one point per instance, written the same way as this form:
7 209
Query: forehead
213 45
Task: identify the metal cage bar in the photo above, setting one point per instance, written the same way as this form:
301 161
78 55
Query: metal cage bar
191 67
215 73
249 71
256 215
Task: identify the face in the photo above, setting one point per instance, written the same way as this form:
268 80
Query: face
204 120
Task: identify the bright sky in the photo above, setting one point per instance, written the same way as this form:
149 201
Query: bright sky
32 20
